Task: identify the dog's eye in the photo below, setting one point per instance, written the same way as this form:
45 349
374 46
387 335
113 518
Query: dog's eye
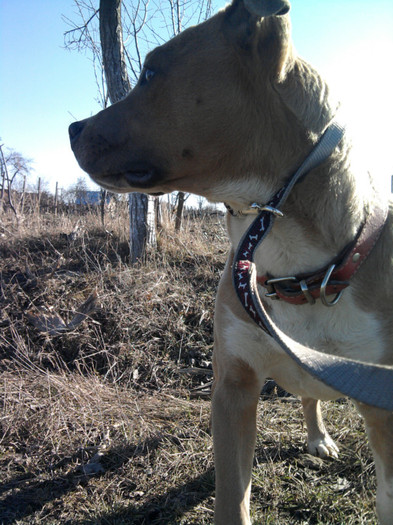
147 75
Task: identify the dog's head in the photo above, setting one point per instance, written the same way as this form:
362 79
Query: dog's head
208 108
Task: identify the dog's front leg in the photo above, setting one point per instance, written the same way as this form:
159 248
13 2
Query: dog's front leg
234 406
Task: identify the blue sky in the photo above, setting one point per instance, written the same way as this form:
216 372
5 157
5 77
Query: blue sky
44 87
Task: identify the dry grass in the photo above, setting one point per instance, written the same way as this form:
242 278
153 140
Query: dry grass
101 425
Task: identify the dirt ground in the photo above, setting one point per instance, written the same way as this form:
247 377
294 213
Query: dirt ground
105 387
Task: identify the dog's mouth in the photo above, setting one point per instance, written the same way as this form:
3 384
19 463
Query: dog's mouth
131 180
141 178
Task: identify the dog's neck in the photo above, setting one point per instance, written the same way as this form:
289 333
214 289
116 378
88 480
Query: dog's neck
322 215
327 207
324 148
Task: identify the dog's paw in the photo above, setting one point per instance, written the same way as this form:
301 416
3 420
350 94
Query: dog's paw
323 447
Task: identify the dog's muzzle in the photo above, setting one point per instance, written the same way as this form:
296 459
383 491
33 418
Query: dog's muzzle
75 130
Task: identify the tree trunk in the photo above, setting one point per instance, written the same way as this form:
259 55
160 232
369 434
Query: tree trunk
141 206
111 36
179 210
157 209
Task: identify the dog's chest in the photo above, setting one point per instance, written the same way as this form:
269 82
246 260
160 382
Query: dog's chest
344 329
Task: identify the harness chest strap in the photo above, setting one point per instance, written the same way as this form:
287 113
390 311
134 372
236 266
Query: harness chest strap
367 383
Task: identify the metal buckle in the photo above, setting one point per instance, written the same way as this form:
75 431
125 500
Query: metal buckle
323 288
260 207
269 283
303 286
306 292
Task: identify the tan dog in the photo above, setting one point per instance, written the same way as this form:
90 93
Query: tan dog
228 111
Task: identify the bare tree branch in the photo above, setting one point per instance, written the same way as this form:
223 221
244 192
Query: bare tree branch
83 30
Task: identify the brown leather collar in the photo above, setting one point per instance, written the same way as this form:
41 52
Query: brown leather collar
333 278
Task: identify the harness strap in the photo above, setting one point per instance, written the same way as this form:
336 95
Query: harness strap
367 383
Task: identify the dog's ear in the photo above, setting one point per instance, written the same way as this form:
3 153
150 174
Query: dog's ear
265 8
258 27
300 87
306 94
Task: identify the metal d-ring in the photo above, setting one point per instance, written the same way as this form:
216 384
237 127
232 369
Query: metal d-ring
265 207
323 288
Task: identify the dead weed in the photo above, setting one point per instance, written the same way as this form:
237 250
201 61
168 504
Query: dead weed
103 422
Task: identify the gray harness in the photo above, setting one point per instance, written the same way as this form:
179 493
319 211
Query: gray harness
364 382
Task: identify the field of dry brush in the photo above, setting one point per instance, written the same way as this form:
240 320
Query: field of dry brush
105 385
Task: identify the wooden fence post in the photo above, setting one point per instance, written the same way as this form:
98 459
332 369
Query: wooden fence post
38 194
56 197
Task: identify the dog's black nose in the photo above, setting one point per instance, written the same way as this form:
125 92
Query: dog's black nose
75 130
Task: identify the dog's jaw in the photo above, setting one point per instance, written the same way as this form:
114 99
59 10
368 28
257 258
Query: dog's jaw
130 181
